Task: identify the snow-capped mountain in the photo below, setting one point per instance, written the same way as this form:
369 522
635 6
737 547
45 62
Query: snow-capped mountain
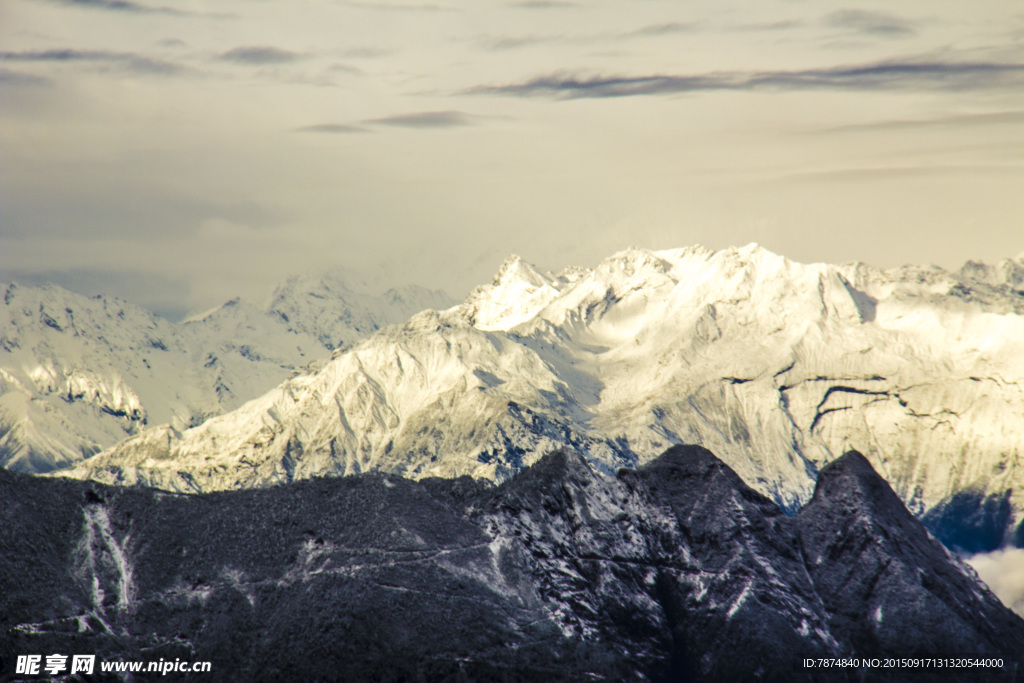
776 366
339 307
79 374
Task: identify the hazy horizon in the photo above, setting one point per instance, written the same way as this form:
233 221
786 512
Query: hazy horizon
179 154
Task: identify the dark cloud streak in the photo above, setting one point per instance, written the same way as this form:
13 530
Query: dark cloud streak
542 4
331 128
783 25
129 60
121 6
665 29
396 7
878 76
260 55
513 42
874 23
425 119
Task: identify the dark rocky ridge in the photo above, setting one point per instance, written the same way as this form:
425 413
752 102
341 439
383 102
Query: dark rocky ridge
675 571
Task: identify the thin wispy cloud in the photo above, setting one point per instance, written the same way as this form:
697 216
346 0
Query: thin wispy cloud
9 77
129 60
987 119
425 119
397 6
875 23
665 29
542 4
120 6
333 128
514 42
366 52
511 42
260 55
783 25
890 75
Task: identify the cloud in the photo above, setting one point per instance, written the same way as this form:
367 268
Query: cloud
331 128
129 60
1003 571
542 4
8 77
396 6
651 31
664 29
425 119
140 213
419 120
875 23
889 75
783 25
512 42
260 55
987 119
120 6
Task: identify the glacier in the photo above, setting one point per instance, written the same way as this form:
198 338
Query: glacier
776 366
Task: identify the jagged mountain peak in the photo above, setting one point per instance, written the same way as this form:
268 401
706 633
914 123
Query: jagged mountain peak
558 574
515 268
361 305
864 549
515 295
78 374
778 367
560 466
227 308
1008 272
850 489
850 466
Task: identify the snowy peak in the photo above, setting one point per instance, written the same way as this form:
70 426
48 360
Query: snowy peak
518 292
515 269
339 307
1009 272
776 366
79 374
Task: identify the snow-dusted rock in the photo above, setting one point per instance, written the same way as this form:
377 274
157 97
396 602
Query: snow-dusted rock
776 366
79 374
675 571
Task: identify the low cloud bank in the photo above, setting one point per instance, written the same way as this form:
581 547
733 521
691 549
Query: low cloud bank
1003 571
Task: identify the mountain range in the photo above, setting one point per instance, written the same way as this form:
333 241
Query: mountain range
673 571
79 374
777 367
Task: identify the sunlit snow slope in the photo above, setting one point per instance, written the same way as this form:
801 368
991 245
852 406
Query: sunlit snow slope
776 366
79 374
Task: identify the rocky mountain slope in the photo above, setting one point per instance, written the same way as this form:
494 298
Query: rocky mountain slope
674 571
79 374
777 366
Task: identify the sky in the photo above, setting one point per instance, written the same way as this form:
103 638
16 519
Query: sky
181 153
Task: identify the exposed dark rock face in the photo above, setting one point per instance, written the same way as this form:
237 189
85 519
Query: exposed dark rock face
888 585
677 571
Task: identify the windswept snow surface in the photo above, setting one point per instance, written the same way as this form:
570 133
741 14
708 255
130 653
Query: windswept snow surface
778 367
79 374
